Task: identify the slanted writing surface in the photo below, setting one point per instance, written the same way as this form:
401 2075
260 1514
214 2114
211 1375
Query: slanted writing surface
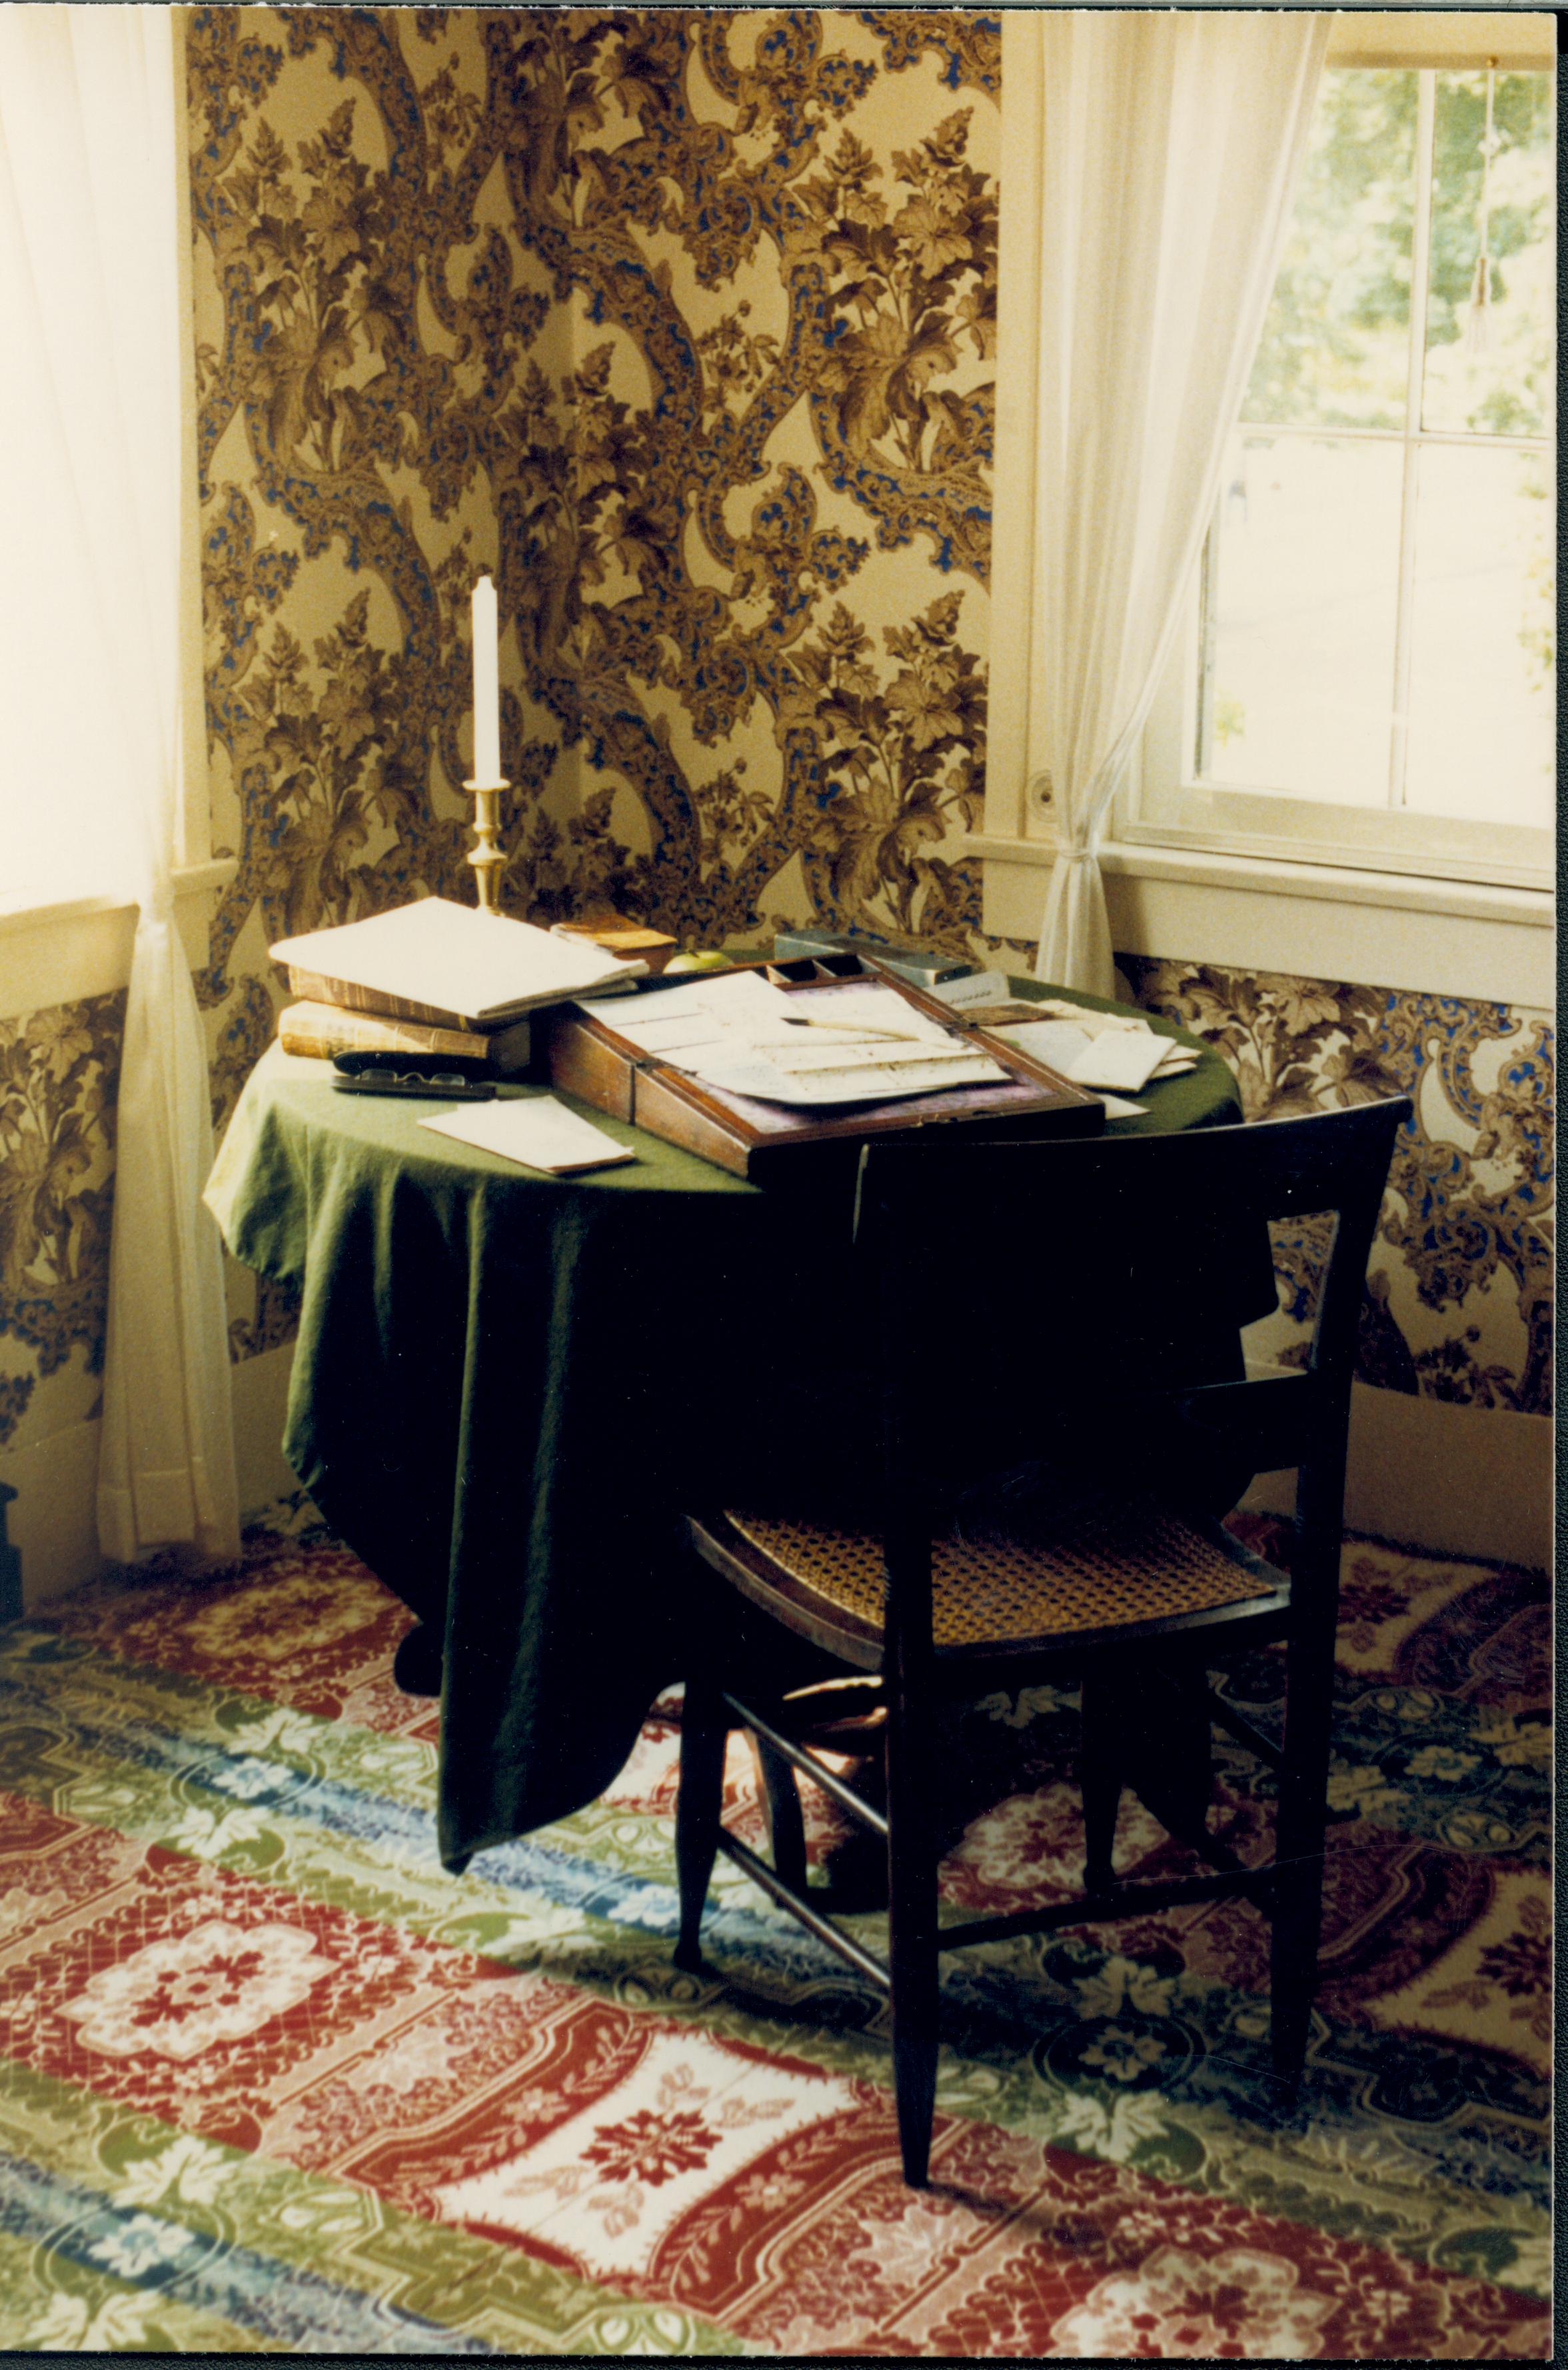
860 1044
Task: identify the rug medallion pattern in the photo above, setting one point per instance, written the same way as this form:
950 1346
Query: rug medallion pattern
271 2078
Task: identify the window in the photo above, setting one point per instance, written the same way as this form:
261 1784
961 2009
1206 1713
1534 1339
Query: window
1366 673
91 233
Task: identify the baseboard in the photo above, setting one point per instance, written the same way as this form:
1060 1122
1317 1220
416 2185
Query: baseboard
53 1518
1453 1480
260 1404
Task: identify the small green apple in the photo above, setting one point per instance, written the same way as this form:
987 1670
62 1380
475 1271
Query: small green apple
712 960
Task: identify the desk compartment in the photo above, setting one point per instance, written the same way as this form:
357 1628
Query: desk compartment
765 1142
582 1060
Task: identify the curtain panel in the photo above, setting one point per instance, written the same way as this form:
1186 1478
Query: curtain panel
1148 165
90 739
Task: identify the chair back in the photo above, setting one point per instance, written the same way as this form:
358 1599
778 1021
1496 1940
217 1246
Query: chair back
1089 1232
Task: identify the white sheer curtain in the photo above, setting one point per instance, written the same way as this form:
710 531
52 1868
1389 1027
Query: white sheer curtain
90 739
1167 144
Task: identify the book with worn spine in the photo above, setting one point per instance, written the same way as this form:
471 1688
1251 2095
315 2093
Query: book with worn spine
322 1029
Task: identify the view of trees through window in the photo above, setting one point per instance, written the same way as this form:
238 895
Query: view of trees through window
1379 593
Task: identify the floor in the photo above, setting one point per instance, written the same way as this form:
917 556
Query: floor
270 2080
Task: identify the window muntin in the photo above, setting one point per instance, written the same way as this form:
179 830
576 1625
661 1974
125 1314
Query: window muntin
1480 669
1370 678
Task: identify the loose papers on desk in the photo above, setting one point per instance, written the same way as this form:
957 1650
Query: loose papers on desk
829 1046
1093 1049
536 1131
1124 1056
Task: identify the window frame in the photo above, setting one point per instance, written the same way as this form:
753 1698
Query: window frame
1271 909
1167 802
56 948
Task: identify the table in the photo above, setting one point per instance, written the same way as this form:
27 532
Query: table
507 1385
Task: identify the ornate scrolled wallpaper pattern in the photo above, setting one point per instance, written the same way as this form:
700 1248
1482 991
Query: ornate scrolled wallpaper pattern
780 336
58 1074
682 323
1460 1279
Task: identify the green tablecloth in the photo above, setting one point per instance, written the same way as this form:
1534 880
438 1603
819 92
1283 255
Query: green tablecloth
506 1386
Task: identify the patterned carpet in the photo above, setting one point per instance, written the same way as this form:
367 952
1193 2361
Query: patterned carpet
270 2080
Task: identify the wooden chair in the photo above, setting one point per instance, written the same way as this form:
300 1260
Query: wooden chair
1133 1592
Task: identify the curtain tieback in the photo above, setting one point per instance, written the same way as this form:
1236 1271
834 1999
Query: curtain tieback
1080 841
1080 846
157 899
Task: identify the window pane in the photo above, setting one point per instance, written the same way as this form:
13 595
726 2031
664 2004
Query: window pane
1302 623
1482 679
1334 347
1490 368
58 741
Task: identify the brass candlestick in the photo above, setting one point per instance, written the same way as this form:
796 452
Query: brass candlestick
488 856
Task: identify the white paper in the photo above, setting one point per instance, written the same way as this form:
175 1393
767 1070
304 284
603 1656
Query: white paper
535 1131
729 1000
865 1081
664 1033
981 987
1118 1057
1057 1044
806 1047
1028 1014
1060 1042
1093 1024
749 1037
800 1061
874 1012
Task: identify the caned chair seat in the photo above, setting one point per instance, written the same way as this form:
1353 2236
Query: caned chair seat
1054 1567
1138 1562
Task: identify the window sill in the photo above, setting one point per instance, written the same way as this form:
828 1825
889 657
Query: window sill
1316 921
56 953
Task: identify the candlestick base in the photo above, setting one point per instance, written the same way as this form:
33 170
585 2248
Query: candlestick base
487 855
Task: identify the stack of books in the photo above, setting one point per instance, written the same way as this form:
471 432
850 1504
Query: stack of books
436 977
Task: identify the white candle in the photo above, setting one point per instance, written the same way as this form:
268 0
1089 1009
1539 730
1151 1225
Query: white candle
486 686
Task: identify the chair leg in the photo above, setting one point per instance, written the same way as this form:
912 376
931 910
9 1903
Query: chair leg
1293 1968
1299 1845
1099 1778
1172 1764
781 1805
912 1941
697 1807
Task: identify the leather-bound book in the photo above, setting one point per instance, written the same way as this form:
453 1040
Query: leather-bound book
326 1028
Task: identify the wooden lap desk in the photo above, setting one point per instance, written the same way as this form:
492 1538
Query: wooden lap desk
506 1387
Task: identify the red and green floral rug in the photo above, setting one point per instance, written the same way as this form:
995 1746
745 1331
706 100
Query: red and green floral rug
270 2080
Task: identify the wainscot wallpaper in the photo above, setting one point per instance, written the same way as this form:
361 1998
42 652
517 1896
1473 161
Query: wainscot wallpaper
682 324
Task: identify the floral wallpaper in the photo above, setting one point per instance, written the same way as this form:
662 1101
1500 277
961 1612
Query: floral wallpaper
1460 1284
682 323
59 1070
744 539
